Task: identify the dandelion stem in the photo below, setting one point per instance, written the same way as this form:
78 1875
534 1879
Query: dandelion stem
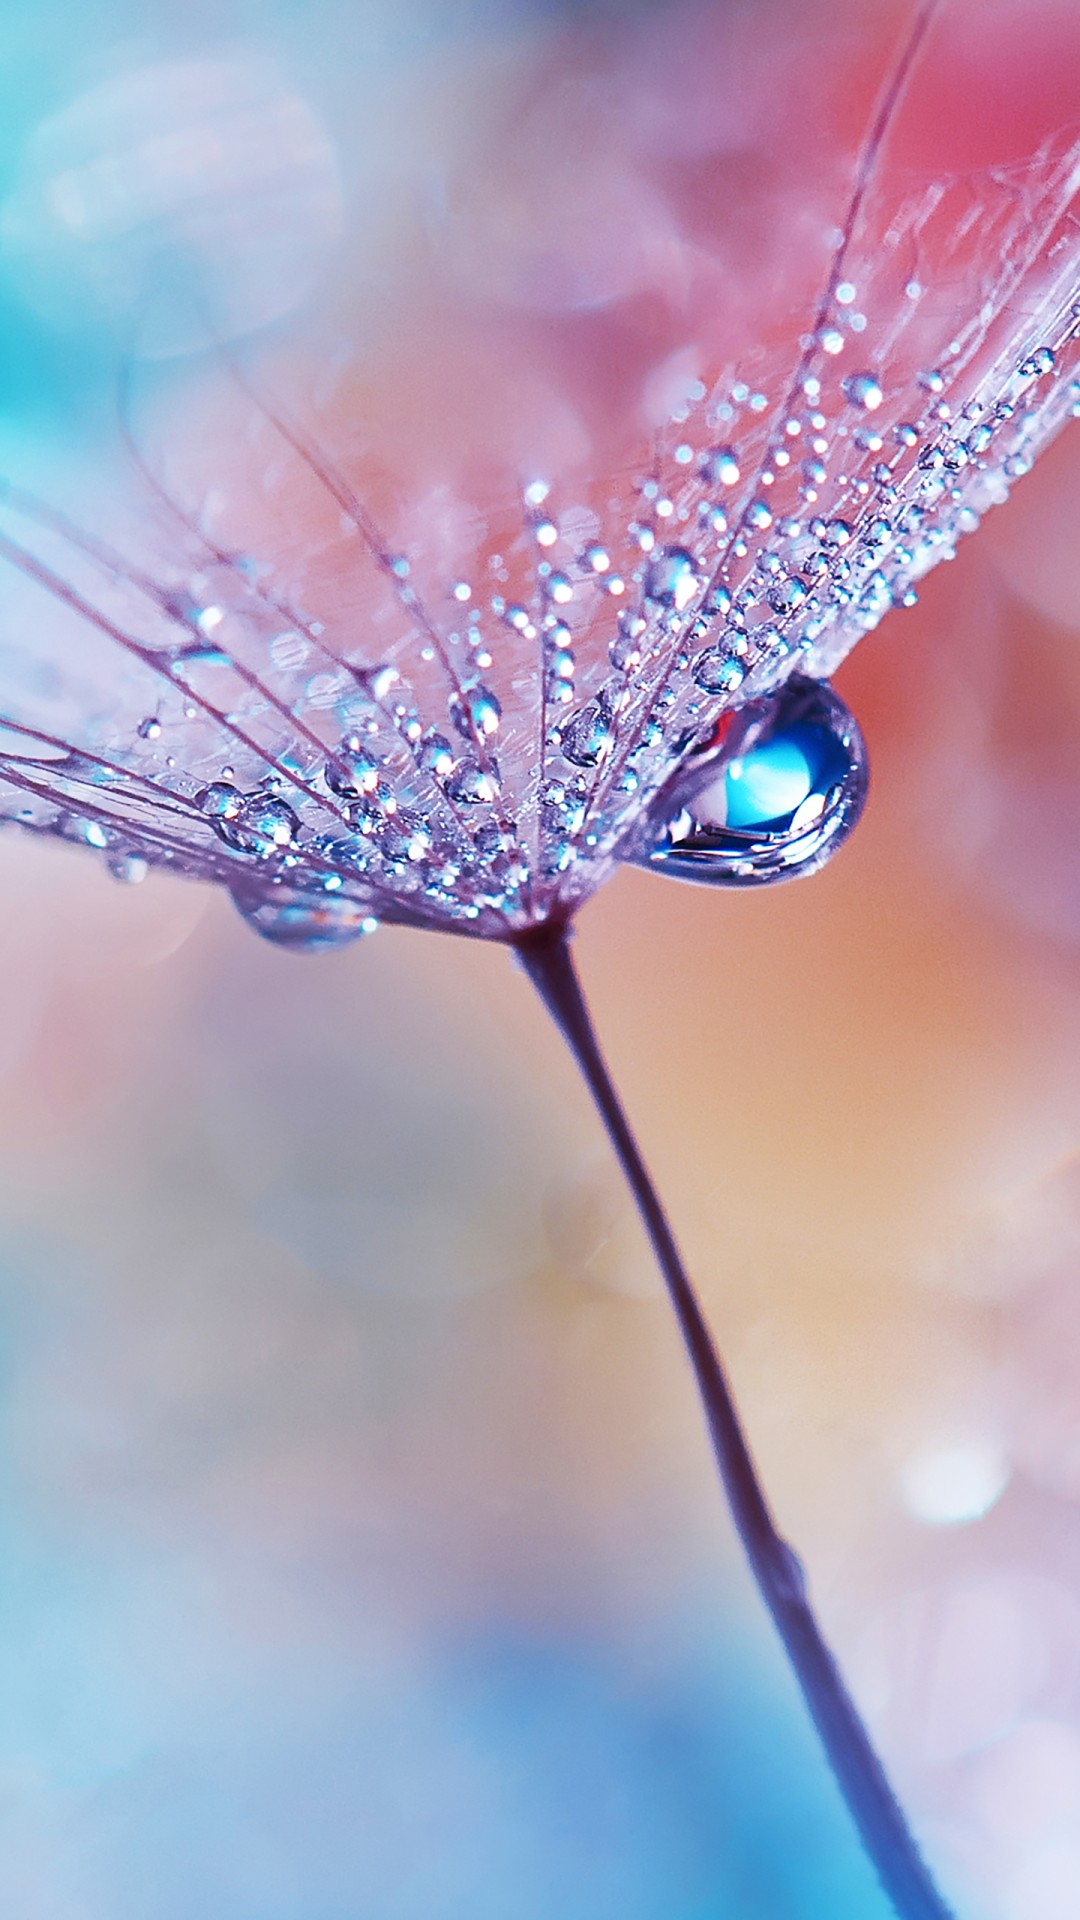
545 955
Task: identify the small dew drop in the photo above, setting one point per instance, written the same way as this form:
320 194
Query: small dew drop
469 785
836 533
720 467
672 578
718 672
863 390
1041 362
435 754
587 739
484 711
220 801
129 868
353 770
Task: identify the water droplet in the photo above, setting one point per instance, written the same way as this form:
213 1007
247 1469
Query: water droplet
382 681
90 832
1040 362
129 868
265 825
150 728
469 785
718 672
353 770
835 533
720 467
831 340
407 836
366 815
863 390
305 923
220 801
484 711
782 806
759 516
588 737
672 578
787 595
435 754
257 823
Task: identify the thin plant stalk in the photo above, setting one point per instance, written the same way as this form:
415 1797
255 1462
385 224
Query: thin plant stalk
884 1831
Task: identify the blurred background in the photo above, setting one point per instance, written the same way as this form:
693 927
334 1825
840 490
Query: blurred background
360 1553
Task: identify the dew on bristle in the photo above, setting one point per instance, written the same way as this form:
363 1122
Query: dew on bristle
719 672
672 579
863 390
720 467
773 512
353 770
257 823
469 785
589 736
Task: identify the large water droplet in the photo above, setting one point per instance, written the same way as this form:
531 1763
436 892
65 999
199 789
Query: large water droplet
782 806
305 923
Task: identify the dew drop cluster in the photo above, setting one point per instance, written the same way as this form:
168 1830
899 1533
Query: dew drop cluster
510 734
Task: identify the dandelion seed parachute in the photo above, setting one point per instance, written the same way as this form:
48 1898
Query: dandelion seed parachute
442 660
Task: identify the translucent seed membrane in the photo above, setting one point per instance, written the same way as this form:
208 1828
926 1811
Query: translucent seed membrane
418 632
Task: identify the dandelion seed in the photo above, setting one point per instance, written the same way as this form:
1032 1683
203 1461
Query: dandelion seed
334 759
